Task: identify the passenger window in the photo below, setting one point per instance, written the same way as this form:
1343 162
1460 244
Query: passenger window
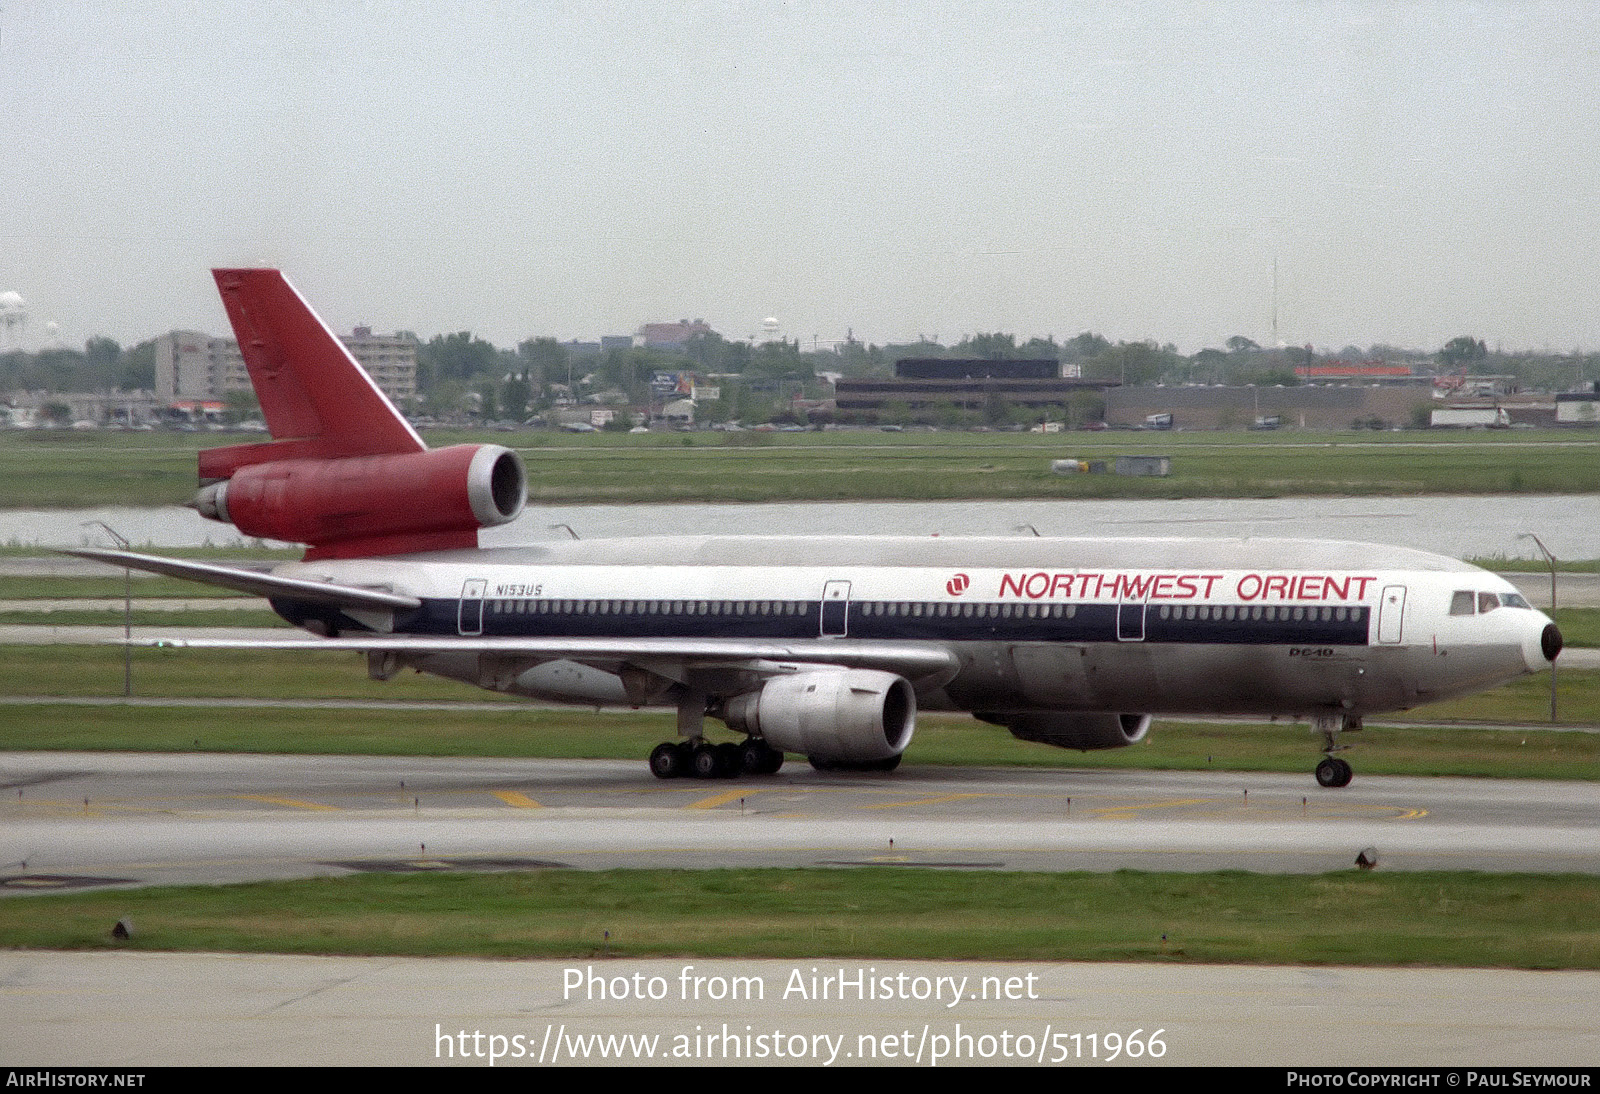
1487 602
1461 603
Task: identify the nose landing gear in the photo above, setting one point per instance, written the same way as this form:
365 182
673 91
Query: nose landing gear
1332 771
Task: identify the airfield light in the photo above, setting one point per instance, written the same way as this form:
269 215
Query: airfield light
1551 559
127 610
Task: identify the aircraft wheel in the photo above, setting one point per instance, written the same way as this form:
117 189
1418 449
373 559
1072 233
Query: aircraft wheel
756 757
774 762
753 756
1333 772
668 761
730 761
704 761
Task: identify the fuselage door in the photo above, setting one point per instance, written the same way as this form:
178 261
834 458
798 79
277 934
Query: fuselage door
469 620
835 609
1130 621
1391 614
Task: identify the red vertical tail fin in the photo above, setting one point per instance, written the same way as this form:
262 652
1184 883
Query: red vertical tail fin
318 402
345 474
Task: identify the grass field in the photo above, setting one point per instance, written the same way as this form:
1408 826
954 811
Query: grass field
51 469
1352 918
516 730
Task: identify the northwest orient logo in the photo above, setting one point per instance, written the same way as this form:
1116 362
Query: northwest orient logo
957 585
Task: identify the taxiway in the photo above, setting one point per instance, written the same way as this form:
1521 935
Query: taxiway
74 819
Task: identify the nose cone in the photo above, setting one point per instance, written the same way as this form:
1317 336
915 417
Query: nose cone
1550 641
1541 644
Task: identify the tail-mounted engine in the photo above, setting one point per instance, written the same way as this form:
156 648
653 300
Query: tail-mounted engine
1084 732
832 715
372 505
344 473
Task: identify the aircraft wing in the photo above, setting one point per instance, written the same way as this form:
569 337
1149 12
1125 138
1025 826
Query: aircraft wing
254 582
914 661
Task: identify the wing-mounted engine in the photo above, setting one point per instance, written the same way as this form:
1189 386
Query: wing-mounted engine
835 716
1084 732
373 505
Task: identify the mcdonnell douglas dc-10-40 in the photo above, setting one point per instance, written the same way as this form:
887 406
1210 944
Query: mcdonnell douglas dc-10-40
825 647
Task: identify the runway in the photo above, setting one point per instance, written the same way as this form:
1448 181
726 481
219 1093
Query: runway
73 819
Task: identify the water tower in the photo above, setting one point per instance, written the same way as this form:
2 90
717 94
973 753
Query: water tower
770 329
13 318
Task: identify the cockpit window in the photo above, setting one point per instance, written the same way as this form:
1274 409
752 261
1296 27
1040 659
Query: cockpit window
1461 603
1515 600
1487 602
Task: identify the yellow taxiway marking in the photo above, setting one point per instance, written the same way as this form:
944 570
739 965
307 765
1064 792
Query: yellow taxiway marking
1115 811
289 802
516 799
721 799
939 799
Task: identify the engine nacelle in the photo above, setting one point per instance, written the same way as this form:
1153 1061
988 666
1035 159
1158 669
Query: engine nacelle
373 505
1084 732
833 715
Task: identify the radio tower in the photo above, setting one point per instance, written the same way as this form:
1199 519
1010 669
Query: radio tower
1275 342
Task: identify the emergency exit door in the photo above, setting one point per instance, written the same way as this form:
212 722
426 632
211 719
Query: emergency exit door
835 609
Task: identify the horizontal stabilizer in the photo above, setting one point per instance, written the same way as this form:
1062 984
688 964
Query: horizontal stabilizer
254 582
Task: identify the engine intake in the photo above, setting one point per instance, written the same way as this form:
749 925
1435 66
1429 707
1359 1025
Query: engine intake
373 505
834 715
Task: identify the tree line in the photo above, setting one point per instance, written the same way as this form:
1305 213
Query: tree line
460 374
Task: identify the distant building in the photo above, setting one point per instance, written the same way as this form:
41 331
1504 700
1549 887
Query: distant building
1364 372
122 408
390 359
923 382
1579 407
1302 407
1489 415
191 365
670 336
958 368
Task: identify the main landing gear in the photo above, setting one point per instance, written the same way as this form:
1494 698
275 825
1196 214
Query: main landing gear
700 759
1332 771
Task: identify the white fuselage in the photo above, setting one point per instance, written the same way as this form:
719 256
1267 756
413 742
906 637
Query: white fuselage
1165 626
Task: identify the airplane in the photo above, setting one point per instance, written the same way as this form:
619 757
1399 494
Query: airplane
822 647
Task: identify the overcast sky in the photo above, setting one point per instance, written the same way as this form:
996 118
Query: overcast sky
1416 170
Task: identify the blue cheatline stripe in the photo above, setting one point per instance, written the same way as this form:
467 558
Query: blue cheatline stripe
1237 624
